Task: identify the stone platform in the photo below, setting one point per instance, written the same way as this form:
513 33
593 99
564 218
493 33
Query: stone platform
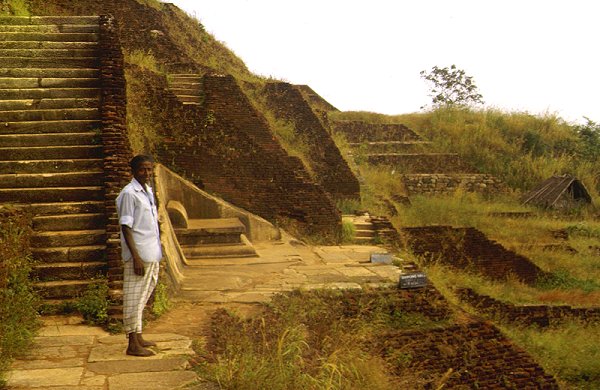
69 355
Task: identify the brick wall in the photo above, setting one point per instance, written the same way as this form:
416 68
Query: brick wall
474 355
226 147
440 183
330 169
469 249
357 131
540 315
116 149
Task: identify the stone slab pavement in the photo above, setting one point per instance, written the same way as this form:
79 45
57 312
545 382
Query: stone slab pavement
69 355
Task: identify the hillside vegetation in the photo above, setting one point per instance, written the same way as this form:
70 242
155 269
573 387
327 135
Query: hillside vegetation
520 148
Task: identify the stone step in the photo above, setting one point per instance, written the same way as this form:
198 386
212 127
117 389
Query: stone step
50 223
211 231
50 28
25 20
34 82
364 233
70 238
45 53
61 289
363 240
67 179
48 93
50 62
49 115
65 254
90 207
48 37
184 77
70 270
50 166
217 251
49 139
51 152
45 104
185 91
190 98
54 194
184 85
48 45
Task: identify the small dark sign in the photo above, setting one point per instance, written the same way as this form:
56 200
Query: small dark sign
413 280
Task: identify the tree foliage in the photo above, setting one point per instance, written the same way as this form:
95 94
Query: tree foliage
451 86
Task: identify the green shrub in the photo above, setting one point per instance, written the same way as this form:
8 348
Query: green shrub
93 303
18 302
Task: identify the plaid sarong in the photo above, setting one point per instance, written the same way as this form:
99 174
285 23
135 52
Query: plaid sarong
136 292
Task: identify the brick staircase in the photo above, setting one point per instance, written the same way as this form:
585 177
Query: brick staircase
50 148
186 87
214 239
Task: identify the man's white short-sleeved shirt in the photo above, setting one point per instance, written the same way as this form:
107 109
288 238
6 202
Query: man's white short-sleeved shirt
136 208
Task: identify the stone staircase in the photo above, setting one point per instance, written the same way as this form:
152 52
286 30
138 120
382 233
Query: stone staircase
422 170
364 231
50 149
186 87
214 239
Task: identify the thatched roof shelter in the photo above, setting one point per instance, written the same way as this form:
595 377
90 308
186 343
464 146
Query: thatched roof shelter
558 192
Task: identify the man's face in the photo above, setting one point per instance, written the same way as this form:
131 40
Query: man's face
143 173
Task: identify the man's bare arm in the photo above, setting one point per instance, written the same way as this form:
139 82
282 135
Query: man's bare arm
138 263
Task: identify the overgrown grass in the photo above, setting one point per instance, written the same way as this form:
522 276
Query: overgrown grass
143 59
520 148
306 340
14 8
570 351
18 303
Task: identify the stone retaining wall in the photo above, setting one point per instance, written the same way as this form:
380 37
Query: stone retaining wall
438 183
327 164
469 249
357 131
422 162
540 315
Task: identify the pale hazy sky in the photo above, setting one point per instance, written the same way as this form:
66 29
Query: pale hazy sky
527 55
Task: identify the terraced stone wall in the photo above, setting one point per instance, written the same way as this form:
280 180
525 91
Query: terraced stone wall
439 183
468 248
226 147
357 131
422 162
540 315
116 149
327 164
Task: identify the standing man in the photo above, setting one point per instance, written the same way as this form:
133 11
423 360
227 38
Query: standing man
141 250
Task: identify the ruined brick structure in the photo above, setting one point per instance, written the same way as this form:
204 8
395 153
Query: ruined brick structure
469 249
473 355
116 149
357 131
330 169
540 315
440 183
226 147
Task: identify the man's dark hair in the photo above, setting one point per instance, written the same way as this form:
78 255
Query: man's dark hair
138 160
